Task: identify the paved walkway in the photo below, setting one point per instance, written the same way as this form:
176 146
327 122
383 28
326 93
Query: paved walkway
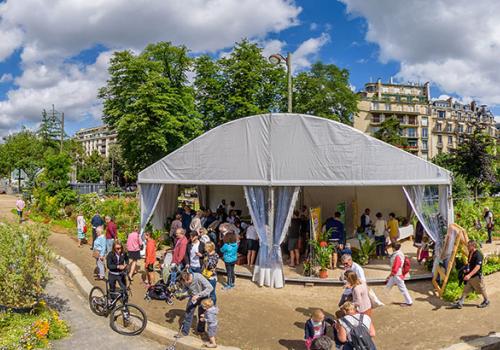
88 331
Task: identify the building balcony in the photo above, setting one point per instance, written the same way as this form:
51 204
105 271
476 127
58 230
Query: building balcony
439 145
393 112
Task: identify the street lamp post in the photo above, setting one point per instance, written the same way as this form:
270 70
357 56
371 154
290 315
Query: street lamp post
277 59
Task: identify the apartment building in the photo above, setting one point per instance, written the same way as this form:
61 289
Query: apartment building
96 139
430 126
409 103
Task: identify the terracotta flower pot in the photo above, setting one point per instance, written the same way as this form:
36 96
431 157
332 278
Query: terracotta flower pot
323 273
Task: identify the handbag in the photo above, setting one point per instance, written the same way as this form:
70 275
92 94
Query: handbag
207 273
96 254
84 228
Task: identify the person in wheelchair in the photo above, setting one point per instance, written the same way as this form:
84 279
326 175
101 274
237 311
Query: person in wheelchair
117 263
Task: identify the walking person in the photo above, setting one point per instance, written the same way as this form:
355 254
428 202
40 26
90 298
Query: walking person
194 253
111 232
134 247
210 317
117 263
380 234
20 205
150 258
81 229
99 252
397 275
488 218
474 277
210 268
96 221
230 255
198 289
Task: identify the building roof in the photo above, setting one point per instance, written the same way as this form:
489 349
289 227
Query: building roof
291 149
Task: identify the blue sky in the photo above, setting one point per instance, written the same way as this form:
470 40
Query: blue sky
59 54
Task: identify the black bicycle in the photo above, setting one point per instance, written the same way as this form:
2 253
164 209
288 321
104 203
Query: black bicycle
125 318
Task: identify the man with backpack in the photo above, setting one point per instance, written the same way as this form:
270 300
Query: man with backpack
400 267
355 330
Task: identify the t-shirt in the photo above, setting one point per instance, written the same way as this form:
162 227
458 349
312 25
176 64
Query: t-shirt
380 225
294 230
337 228
359 271
354 321
476 259
317 327
20 204
194 260
252 233
393 226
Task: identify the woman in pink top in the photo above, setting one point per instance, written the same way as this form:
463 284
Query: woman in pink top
134 244
360 297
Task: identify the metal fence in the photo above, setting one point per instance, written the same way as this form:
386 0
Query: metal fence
85 188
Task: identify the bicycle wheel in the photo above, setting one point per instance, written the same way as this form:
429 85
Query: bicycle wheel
98 301
128 319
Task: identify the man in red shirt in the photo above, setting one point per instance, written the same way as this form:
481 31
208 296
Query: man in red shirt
111 233
180 247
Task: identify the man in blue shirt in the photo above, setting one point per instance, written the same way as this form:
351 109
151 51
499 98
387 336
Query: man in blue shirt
96 221
337 228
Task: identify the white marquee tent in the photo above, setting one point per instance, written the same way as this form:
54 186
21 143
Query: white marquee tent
271 157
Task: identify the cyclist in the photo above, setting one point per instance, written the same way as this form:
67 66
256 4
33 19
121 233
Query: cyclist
117 262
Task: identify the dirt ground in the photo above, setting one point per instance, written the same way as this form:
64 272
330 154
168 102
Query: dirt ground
262 318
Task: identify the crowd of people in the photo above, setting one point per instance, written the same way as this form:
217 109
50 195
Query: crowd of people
201 238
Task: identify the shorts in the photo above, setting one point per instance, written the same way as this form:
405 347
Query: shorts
150 267
476 284
252 244
293 244
135 255
211 330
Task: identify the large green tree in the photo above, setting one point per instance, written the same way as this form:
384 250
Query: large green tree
150 104
238 85
324 91
49 130
390 131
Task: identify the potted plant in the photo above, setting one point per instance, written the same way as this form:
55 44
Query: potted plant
322 256
367 248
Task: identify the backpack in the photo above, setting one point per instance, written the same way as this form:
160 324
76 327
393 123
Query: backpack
360 336
158 291
406 266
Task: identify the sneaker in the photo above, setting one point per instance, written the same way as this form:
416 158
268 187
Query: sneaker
180 335
484 304
456 305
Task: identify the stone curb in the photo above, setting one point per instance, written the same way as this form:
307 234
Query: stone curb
490 342
153 330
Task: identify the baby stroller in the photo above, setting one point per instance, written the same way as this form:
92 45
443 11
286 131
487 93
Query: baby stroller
167 290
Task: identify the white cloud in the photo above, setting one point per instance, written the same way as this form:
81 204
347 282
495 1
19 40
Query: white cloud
307 51
271 47
453 43
5 78
49 32
313 26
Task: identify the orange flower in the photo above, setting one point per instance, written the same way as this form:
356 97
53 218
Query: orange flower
41 328
323 244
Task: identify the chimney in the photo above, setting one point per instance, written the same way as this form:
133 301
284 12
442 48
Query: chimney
450 101
379 88
473 105
427 90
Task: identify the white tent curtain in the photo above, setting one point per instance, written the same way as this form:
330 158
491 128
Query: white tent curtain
270 209
150 195
166 206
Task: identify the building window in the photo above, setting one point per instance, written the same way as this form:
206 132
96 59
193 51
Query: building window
438 127
412 143
440 139
424 121
449 127
424 145
469 129
450 140
425 132
459 115
441 114
412 120
376 118
460 128
387 106
412 132
375 106
411 108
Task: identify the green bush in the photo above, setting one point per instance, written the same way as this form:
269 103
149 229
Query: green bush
24 257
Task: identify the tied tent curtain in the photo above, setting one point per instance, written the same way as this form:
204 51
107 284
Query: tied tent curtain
150 195
430 205
271 211
165 207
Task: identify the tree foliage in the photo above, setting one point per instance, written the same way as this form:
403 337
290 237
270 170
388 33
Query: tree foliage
390 131
49 131
148 101
324 91
239 85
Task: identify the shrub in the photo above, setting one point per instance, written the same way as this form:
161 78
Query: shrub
24 257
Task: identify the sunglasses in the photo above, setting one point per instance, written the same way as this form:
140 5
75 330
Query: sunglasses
118 248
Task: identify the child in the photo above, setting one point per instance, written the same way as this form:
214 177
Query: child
210 317
150 258
424 250
315 327
230 255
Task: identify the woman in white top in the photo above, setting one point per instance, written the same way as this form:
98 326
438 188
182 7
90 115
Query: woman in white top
196 222
80 229
351 319
380 234
252 244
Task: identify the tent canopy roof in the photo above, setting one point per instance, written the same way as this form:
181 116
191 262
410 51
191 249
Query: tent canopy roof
291 150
